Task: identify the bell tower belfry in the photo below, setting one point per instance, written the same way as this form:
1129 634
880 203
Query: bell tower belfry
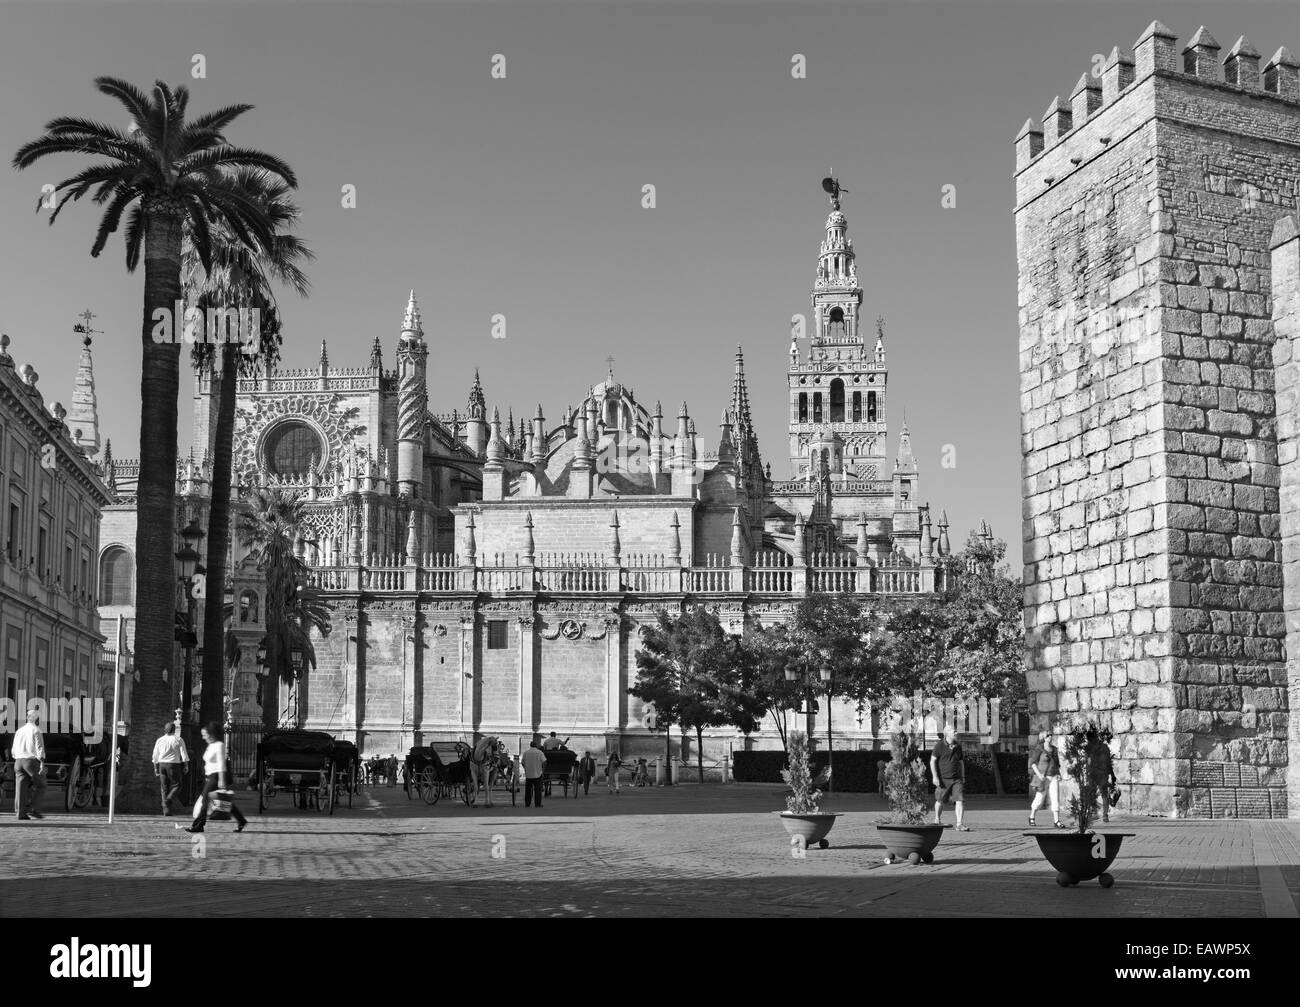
837 394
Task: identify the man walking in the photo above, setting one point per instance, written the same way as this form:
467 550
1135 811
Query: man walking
534 768
949 771
28 754
586 770
169 763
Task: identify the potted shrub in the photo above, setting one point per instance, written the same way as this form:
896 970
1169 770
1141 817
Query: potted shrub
804 817
906 834
1083 854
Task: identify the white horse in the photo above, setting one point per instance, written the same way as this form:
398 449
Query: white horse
482 759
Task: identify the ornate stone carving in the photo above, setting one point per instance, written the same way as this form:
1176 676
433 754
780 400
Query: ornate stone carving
340 431
571 629
438 629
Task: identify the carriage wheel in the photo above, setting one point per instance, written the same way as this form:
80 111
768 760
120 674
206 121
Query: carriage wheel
85 789
70 789
429 786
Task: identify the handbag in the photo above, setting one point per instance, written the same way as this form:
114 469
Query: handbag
219 804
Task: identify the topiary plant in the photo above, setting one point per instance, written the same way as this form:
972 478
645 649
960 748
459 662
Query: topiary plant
1085 759
907 787
803 799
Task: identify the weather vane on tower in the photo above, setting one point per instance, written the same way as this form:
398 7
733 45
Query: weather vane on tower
833 187
84 326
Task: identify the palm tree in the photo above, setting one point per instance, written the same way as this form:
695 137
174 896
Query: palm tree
239 277
271 527
162 172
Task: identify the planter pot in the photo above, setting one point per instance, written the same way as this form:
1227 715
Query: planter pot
811 828
913 843
1081 857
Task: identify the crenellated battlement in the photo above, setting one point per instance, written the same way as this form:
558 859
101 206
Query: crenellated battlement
1155 54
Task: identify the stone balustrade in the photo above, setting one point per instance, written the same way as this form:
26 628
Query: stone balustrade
770 574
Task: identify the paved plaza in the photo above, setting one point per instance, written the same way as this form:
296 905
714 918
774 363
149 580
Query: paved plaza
716 850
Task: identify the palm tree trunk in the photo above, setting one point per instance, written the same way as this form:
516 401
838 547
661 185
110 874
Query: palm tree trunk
156 585
214 608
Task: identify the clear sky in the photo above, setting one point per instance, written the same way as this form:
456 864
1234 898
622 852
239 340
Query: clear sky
522 196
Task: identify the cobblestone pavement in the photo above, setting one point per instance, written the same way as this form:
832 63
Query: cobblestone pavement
679 851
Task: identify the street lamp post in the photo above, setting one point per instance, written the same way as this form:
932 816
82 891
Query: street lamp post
295 655
825 672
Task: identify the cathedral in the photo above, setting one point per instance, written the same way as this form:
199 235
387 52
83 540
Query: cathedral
489 575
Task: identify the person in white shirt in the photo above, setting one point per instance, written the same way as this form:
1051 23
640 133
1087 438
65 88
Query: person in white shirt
534 772
28 752
552 743
214 778
169 762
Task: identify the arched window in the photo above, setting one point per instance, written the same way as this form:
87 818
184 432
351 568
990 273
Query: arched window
817 407
117 577
871 407
803 407
837 401
835 324
826 461
290 447
248 611
857 407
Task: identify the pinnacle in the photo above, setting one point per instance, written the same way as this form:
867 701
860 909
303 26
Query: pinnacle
1028 128
1158 30
1242 47
1203 40
1283 57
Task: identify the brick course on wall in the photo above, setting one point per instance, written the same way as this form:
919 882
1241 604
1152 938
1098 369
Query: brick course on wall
1153 565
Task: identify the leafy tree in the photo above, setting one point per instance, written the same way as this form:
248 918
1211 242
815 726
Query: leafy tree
237 277
161 172
691 669
270 527
968 640
765 653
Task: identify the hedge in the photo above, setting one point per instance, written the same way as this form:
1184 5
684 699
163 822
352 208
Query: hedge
857 771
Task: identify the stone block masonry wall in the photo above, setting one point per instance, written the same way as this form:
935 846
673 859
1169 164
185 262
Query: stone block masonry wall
1153 566
1286 359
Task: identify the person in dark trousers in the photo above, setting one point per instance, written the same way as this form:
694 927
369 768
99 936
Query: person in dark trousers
534 771
214 778
169 762
611 772
949 771
28 752
586 771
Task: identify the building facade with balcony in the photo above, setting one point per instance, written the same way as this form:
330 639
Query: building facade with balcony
52 495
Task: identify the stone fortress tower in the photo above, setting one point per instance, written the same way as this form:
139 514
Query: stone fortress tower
1154 597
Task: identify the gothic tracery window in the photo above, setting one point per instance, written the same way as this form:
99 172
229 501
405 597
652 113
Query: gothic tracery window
837 401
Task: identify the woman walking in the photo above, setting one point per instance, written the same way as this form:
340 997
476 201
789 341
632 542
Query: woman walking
1045 778
611 771
214 778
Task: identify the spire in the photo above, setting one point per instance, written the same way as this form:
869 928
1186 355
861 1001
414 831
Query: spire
411 327
110 468
84 415
477 403
376 355
904 461
324 358
740 394
496 446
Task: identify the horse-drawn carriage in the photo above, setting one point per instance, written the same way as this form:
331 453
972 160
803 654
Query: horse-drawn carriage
69 765
432 779
561 768
301 762
460 770
347 770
